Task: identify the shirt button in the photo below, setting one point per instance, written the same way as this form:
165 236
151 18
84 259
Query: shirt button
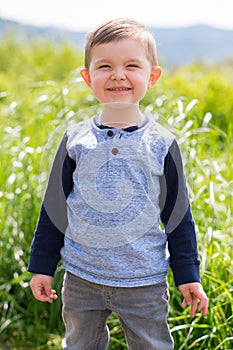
110 133
115 151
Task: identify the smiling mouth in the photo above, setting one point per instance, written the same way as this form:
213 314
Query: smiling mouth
119 89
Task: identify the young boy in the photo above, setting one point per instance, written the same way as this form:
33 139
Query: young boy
113 178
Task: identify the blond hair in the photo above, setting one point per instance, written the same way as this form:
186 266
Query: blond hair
117 29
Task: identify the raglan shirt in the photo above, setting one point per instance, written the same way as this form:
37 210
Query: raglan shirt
108 193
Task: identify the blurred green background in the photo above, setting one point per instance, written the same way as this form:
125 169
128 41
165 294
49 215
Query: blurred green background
40 94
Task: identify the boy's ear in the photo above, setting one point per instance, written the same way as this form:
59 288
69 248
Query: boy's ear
86 76
154 76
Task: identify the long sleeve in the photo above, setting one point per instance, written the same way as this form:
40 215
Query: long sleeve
177 219
49 234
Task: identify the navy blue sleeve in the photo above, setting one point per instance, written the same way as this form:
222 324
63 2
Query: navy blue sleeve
49 234
177 219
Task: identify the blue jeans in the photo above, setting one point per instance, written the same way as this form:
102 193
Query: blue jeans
142 312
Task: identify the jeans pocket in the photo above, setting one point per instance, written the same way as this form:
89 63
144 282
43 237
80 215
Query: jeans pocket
166 295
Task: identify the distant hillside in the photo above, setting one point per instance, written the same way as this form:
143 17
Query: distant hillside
176 46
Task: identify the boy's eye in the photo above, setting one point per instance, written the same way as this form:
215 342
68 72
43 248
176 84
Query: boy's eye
102 66
133 65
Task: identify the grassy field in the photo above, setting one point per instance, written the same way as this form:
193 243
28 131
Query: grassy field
40 94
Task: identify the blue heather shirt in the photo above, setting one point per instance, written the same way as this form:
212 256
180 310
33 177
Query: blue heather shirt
107 192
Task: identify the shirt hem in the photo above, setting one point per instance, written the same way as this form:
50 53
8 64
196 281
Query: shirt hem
121 282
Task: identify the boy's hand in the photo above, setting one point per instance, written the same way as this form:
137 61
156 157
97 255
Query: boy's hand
193 294
41 286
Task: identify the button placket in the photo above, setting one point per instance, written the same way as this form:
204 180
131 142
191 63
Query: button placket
115 150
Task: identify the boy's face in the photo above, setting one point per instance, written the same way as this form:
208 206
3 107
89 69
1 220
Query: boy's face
120 71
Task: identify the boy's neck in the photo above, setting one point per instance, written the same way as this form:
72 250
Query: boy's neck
121 115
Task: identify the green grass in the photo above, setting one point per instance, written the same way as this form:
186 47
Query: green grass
40 94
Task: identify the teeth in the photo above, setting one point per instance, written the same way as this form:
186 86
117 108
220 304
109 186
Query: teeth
119 89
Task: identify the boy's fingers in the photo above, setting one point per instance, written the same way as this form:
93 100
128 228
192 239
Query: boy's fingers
184 304
193 306
41 288
193 301
40 294
203 306
187 298
194 294
53 294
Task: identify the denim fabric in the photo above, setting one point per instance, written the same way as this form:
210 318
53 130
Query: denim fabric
142 312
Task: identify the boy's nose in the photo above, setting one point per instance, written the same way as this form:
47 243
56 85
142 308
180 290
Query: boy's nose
118 74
